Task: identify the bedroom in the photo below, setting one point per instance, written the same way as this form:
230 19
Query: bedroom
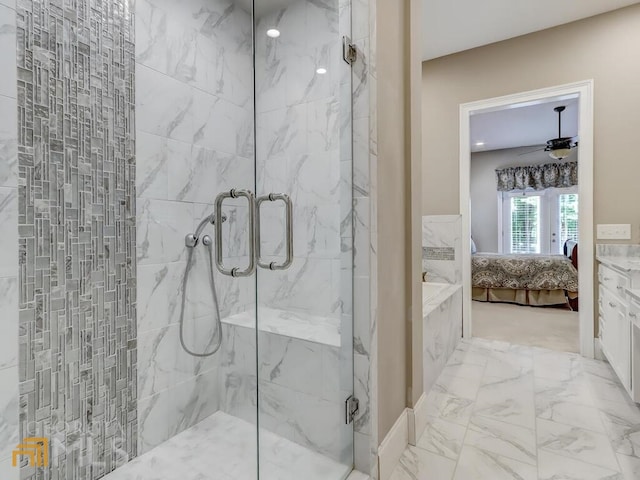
524 224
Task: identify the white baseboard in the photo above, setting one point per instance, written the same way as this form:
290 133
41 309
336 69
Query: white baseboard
393 446
417 418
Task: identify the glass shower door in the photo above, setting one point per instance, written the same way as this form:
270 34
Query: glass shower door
304 283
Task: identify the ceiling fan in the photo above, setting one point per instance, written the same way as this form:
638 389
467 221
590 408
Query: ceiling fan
560 147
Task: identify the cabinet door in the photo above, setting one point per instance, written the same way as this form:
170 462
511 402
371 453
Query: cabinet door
635 361
610 337
623 349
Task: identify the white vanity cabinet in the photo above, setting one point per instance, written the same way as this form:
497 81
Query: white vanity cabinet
619 321
634 319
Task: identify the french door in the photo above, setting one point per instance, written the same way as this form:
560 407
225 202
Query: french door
539 222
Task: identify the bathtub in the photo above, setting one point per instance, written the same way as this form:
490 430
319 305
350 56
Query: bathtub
441 328
432 289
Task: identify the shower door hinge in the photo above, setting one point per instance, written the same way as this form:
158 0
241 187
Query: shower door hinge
352 405
349 52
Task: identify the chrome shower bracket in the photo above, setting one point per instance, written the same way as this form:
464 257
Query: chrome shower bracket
191 239
349 51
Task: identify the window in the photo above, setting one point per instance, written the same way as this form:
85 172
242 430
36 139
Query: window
568 217
539 222
525 224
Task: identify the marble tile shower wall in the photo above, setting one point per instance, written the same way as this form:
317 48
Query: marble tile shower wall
365 160
298 152
76 235
8 242
303 148
194 140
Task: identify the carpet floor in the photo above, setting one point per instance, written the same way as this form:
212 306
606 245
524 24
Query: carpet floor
551 328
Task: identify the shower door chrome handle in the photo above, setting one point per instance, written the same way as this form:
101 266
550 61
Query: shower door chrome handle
273 197
251 199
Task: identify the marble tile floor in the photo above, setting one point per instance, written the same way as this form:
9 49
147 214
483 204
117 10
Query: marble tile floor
503 412
223 447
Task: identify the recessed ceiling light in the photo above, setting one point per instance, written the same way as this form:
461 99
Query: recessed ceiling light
479 144
321 71
273 33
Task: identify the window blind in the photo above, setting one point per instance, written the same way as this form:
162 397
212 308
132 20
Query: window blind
568 216
525 224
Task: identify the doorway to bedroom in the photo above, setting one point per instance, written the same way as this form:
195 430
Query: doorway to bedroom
526 183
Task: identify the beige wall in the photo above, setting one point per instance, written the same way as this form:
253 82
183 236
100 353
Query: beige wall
392 203
398 245
484 197
603 48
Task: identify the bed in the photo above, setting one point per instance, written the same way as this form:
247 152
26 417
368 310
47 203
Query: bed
536 280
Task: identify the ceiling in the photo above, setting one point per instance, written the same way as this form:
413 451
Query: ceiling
455 25
519 126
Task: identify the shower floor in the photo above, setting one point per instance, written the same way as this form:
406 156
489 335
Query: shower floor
223 447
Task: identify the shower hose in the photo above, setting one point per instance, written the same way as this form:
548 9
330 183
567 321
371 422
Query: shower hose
192 242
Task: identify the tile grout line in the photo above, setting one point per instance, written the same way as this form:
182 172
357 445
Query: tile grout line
535 411
455 470
603 433
574 373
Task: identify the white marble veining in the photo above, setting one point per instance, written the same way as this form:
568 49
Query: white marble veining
9 222
9 321
433 294
364 151
443 231
626 264
8 81
298 150
194 122
291 324
8 141
8 411
442 328
502 411
621 257
617 250
224 447
295 377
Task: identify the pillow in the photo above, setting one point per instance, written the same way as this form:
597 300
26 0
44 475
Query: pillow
473 247
569 245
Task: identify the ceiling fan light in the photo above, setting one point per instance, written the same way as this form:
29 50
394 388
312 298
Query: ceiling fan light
559 153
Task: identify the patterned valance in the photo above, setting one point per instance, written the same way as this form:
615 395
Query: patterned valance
538 177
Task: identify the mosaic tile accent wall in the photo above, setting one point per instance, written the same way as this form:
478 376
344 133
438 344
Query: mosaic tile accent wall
77 237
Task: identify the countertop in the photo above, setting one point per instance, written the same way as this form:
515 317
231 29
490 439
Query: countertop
633 293
625 264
